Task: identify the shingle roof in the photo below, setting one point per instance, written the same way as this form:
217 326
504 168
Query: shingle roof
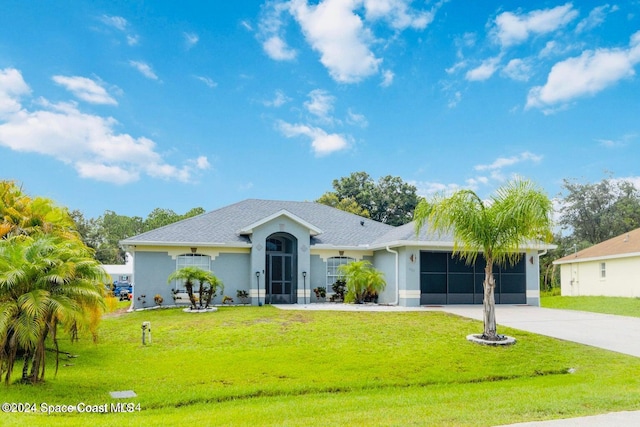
627 244
407 233
223 226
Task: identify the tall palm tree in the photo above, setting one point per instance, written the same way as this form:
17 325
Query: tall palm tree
518 214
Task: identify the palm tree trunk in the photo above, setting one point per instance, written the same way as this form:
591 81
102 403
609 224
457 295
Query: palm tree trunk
25 366
192 298
489 304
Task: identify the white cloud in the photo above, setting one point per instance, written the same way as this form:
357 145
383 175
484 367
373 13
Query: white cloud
455 99
270 32
357 119
517 69
191 39
85 89
387 78
278 100
484 71
514 28
12 87
132 39
202 163
333 29
503 162
621 142
320 104
144 69
87 142
117 22
277 49
596 18
208 81
322 142
120 24
587 74
398 13
429 188
340 31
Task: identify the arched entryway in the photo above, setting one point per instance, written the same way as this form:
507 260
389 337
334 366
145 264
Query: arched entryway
281 286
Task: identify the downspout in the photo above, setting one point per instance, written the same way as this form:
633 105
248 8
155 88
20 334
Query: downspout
397 275
541 254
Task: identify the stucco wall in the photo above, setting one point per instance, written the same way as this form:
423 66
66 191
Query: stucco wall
584 279
151 270
533 278
281 224
232 270
386 263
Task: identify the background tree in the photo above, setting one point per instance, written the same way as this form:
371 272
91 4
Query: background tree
390 200
593 213
518 214
104 233
347 204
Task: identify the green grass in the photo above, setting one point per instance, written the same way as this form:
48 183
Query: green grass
608 305
259 366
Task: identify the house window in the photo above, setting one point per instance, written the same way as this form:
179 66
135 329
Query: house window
192 260
603 270
332 269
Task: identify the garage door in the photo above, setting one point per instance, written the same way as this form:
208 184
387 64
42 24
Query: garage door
445 279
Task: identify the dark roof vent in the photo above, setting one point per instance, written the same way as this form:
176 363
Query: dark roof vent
362 223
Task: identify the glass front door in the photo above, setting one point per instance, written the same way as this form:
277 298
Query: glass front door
280 283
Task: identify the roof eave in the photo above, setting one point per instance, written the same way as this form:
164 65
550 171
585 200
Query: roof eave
566 260
313 230
129 243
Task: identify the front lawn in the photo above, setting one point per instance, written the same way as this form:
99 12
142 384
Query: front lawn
608 305
260 366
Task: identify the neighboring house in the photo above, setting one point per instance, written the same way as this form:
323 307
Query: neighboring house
610 268
120 272
279 251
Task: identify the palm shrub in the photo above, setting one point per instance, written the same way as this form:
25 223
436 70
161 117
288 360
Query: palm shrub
361 280
210 284
45 282
190 275
48 279
207 281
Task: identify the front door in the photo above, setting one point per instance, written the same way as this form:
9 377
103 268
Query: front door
280 283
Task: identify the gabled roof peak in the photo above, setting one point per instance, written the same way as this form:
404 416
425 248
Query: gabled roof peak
313 230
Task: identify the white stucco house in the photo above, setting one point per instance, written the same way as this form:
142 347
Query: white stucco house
120 272
610 268
278 251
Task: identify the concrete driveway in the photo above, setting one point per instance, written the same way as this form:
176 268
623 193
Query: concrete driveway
616 333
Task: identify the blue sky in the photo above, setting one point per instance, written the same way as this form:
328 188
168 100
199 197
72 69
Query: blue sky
133 105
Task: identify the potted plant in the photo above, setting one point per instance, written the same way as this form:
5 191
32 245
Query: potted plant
158 299
338 288
243 296
321 293
227 300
